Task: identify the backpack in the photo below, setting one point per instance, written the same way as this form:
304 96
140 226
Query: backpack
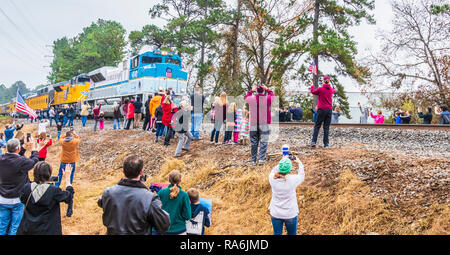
194 226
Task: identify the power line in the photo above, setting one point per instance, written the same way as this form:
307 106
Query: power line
40 35
30 64
23 33
16 43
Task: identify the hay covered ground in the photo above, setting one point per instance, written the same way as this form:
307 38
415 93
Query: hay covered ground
349 188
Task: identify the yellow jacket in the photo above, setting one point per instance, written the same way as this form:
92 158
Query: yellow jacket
69 152
154 103
85 110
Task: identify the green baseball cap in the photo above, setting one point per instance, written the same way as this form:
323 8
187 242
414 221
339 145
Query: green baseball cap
285 165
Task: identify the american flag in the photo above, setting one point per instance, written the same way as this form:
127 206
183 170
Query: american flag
313 68
21 106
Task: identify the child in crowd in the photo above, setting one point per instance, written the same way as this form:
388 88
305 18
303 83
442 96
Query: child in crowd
406 117
335 115
201 216
379 118
231 122
245 128
44 141
2 143
59 129
182 127
101 120
159 125
237 126
397 119
42 127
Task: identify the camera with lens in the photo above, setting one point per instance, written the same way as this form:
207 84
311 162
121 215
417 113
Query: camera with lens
143 178
292 157
54 179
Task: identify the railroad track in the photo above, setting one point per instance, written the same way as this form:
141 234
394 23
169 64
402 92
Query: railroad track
384 126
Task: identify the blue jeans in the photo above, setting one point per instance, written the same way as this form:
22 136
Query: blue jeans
62 166
71 121
159 129
10 216
83 120
59 135
50 119
65 119
116 123
95 125
196 120
291 226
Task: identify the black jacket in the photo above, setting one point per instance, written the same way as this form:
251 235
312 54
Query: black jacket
14 173
427 117
42 216
147 107
137 107
159 114
129 208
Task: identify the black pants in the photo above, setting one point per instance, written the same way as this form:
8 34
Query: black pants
147 120
129 123
323 116
168 135
228 135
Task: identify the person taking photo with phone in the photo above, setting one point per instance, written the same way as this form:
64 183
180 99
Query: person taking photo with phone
283 205
42 215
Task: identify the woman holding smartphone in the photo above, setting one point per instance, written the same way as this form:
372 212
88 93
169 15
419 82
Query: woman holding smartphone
283 205
42 214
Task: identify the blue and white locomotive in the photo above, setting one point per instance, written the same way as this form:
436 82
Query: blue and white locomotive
139 76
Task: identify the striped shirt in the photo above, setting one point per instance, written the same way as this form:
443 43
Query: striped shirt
245 128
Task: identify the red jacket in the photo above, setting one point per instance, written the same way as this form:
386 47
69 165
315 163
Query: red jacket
259 107
167 114
130 113
325 94
43 150
97 112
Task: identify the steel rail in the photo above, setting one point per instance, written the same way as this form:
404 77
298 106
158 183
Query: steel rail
384 126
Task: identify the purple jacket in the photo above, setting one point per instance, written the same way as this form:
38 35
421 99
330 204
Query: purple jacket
260 107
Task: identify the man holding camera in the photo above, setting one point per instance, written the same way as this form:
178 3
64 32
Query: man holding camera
13 177
129 208
260 119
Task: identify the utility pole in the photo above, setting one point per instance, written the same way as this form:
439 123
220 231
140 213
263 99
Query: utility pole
315 41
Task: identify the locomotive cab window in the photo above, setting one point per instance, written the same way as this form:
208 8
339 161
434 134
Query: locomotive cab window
173 61
135 62
151 60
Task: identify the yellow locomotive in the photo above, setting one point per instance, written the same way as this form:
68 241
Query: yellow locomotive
62 93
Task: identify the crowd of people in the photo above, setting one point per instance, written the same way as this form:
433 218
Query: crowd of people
34 207
130 207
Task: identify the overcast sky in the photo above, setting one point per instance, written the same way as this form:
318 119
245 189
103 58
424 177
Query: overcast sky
28 27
